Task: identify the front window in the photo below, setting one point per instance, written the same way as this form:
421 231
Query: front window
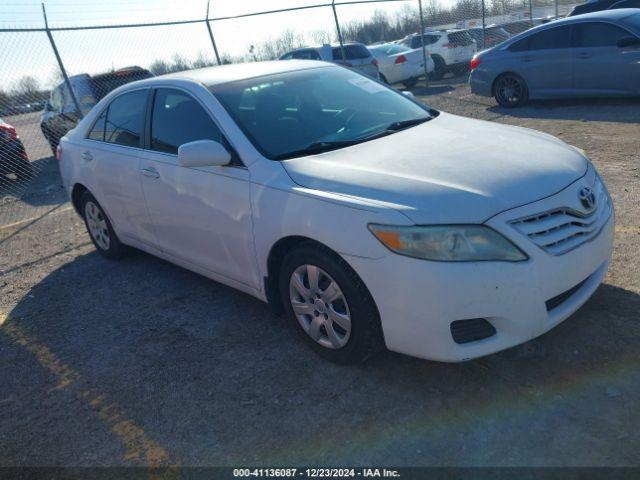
308 111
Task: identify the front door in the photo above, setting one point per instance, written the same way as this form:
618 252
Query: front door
200 215
600 66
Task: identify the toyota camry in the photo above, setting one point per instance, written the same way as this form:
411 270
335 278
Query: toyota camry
370 219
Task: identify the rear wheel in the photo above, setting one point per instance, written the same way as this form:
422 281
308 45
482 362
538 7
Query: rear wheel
100 230
510 91
410 83
329 305
384 79
439 68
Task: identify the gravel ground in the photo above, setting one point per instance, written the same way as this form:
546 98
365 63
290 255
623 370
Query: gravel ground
140 362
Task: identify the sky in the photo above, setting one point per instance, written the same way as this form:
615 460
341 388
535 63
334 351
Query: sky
95 51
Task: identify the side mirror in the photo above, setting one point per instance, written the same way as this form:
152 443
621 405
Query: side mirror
409 94
203 153
628 42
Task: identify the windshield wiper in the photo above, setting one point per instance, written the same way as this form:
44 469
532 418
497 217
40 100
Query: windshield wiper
396 126
326 146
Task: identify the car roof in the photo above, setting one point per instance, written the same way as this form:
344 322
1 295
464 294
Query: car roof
599 15
210 76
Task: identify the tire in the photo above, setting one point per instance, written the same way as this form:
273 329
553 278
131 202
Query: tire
410 83
439 68
510 90
384 79
321 314
100 230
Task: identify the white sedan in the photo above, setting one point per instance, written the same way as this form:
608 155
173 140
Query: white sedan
398 63
370 219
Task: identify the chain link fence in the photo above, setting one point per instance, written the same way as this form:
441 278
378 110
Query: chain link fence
52 74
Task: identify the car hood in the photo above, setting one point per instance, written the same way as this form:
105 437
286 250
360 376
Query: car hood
448 170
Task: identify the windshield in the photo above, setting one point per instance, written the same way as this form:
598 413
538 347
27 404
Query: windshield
307 111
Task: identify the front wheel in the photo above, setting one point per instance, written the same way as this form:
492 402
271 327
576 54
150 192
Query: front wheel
329 305
510 91
100 230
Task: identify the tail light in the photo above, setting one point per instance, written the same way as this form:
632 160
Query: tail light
475 62
400 59
9 133
374 62
58 153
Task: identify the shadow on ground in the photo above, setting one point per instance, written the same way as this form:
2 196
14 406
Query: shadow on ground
617 110
205 375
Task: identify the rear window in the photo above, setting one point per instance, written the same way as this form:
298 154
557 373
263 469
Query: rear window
105 83
390 49
352 52
460 39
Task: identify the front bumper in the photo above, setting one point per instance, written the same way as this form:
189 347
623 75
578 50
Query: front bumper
418 300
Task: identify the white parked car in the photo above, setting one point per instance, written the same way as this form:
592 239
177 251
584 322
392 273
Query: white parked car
356 56
451 50
399 63
369 218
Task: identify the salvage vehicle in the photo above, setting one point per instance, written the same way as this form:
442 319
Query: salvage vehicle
370 219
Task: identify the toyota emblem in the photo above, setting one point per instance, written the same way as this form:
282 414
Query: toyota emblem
587 198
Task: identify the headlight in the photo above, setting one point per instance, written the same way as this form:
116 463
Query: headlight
450 243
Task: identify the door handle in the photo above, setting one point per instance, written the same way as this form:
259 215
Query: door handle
86 156
150 172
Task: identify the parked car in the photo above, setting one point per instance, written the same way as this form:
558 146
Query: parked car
399 63
599 5
357 56
596 54
369 218
488 37
451 50
60 114
516 27
13 156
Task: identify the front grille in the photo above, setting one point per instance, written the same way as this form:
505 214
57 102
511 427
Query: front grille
563 229
559 299
465 331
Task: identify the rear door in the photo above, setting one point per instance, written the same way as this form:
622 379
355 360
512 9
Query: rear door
201 216
600 66
111 153
544 59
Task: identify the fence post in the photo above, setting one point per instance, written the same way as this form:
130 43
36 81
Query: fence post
484 25
530 12
335 17
556 3
424 48
213 42
61 65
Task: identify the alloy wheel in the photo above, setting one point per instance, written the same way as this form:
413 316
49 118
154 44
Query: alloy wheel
320 306
510 91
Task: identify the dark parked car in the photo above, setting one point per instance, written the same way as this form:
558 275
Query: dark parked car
596 54
13 157
600 5
60 114
488 37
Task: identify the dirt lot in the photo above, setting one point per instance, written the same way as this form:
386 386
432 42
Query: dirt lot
140 362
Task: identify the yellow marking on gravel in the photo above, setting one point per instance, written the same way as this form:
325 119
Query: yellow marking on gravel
138 446
33 219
